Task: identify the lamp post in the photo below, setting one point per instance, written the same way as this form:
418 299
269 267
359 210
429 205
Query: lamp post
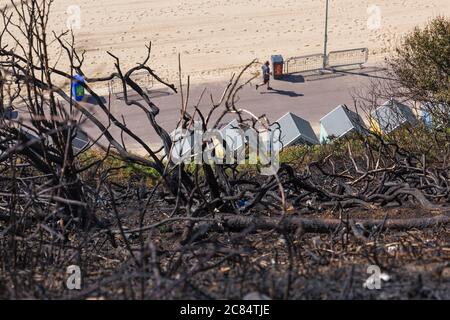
325 37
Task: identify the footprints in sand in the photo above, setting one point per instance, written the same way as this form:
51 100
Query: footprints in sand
233 32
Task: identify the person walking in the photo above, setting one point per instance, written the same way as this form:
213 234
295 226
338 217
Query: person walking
266 76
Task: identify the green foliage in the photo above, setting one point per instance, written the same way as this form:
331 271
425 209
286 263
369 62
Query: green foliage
418 140
422 64
121 170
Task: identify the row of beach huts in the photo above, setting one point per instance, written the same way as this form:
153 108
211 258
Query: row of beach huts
341 121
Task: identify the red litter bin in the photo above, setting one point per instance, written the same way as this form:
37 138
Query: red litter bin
277 66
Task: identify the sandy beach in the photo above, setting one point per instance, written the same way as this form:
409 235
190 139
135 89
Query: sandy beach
216 37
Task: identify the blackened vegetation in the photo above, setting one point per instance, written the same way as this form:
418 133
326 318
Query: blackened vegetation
206 231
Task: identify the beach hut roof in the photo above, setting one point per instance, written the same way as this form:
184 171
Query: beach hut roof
294 130
393 114
340 121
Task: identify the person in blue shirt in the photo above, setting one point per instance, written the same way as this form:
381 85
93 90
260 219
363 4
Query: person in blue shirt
266 76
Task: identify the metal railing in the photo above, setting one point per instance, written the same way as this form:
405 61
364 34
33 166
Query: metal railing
143 79
304 63
335 59
344 58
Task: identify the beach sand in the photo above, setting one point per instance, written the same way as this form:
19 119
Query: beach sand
216 38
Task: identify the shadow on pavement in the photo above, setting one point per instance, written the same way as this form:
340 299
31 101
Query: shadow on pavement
291 94
92 100
159 93
323 76
365 72
293 78
330 73
153 94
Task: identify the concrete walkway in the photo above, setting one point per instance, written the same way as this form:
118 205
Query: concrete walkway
310 98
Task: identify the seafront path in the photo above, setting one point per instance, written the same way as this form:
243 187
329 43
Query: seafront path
310 97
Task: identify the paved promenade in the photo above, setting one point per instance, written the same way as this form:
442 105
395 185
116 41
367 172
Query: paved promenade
309 98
